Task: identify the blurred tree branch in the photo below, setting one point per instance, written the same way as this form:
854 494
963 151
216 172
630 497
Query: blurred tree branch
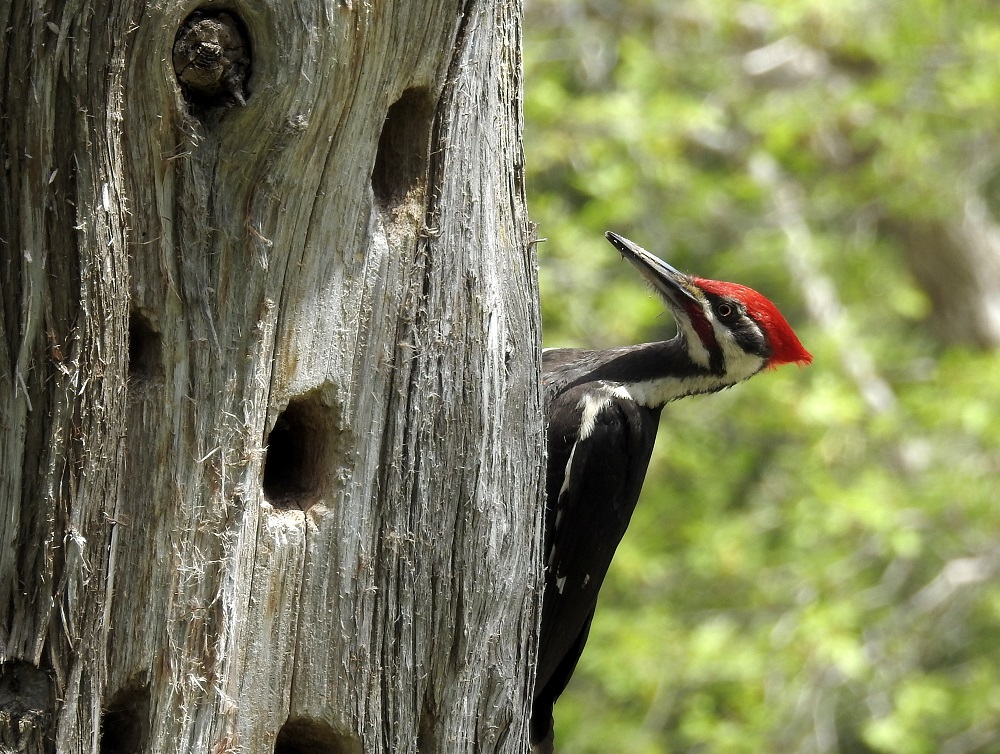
957 263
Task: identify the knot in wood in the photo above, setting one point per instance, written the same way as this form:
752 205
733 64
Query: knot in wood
211 56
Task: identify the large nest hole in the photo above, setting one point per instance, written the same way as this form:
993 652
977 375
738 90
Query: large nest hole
300 457
401 163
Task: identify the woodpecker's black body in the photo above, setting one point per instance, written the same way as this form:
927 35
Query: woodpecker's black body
610 465
603 409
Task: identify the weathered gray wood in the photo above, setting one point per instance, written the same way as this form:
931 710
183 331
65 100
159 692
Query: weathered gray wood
273 260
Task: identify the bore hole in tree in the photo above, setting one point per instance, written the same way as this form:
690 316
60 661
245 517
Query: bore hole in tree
305 736
125 721
400 170
144 349
301 452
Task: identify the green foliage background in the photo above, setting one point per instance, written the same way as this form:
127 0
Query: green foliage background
813 565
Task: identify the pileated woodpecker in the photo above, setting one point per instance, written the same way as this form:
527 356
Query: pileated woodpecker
603 408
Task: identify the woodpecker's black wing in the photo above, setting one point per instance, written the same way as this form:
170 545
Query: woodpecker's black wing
599 444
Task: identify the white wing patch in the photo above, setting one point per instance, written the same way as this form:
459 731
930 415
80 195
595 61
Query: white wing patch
566 476
590 405
595 401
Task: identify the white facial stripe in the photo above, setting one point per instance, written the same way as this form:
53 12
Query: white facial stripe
657 392
665 389
696 349
738 364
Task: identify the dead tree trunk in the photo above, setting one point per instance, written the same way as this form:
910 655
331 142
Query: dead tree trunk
270 433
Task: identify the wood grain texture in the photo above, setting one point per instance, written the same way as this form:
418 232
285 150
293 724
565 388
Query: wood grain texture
365 285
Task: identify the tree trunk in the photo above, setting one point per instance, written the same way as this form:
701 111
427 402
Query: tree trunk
271 437
957 264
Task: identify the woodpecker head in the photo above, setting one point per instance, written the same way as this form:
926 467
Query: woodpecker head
728 329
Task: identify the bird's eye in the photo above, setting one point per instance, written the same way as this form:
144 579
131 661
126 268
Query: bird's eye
725 311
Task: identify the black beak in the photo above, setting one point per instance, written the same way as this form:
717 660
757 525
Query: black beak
673 284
